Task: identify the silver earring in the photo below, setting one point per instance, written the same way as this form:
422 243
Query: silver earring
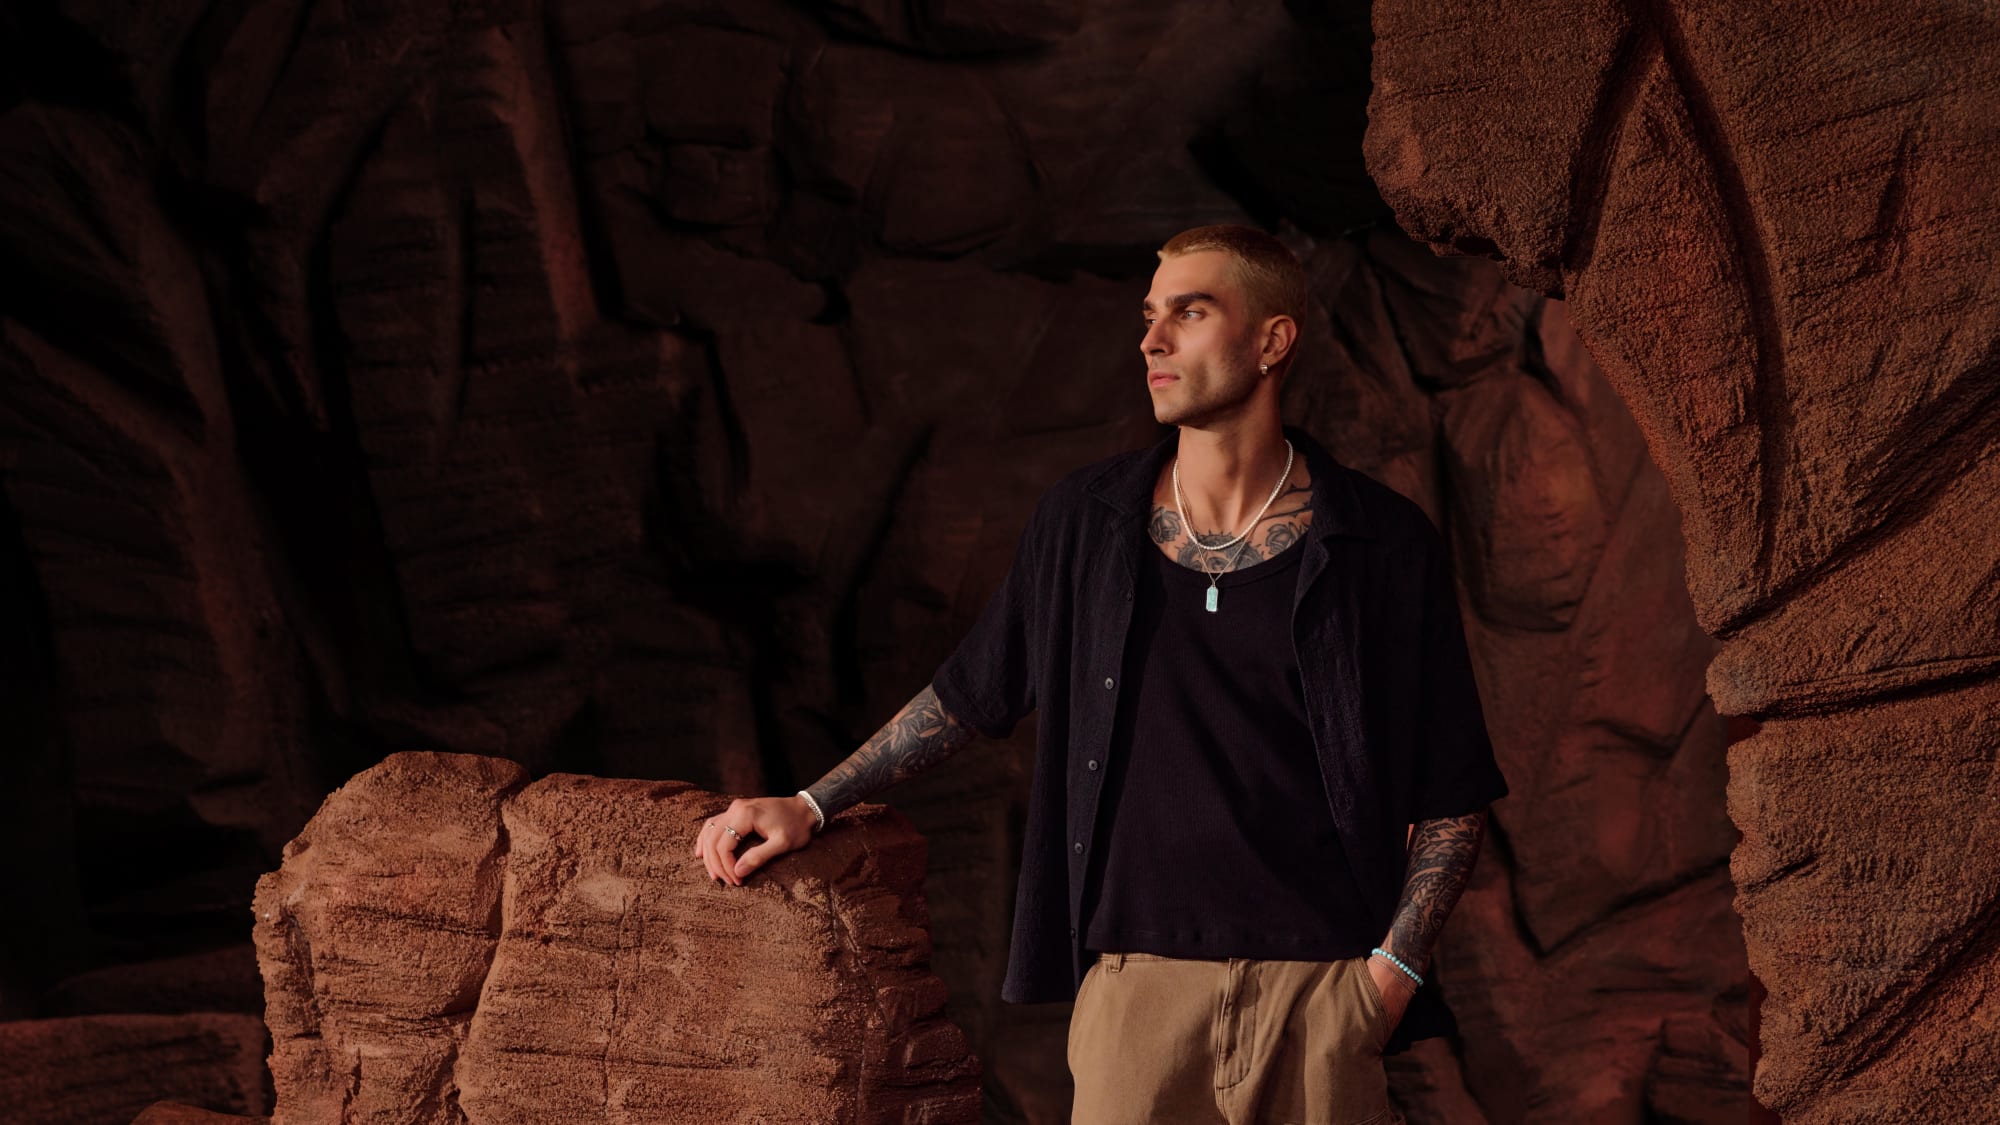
1264 367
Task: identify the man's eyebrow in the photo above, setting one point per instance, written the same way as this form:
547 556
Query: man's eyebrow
1182 301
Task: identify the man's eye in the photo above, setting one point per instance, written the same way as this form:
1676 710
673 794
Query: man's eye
1190 312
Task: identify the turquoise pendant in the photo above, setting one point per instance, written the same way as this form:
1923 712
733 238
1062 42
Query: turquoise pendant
1214 596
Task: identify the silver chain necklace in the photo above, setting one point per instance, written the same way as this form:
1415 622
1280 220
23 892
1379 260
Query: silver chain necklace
1215 594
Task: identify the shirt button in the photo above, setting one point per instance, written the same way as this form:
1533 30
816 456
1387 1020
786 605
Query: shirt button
1072 931
1079 847
1092 764
1107 683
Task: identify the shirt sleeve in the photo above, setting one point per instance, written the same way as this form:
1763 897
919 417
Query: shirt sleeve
989 680
1457 773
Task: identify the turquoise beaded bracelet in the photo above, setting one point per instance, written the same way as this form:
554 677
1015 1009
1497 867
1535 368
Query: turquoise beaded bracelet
1378 951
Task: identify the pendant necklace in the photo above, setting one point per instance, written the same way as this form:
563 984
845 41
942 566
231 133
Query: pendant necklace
1214 594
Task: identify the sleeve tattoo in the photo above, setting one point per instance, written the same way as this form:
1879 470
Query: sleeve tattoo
1442 852
921 735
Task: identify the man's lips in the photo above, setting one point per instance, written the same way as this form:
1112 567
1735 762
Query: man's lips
1160 378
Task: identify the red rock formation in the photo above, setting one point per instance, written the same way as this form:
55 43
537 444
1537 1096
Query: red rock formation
101 1070
1772 225
448 942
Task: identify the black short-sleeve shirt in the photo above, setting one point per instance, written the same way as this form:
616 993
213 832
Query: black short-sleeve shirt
1386 681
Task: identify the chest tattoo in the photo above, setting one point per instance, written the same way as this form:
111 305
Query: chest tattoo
1289 516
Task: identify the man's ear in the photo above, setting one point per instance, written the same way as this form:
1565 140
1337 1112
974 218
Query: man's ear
1281 338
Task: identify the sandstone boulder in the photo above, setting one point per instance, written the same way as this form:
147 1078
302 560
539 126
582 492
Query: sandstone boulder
448 942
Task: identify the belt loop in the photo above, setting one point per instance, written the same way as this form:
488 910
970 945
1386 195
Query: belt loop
1116 961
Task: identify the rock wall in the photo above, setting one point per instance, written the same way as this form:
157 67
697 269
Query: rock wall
106 1068
1772 225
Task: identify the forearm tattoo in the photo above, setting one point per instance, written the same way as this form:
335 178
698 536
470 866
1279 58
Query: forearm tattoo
1441 855
921 735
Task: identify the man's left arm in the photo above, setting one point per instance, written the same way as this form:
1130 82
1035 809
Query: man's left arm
1442 852
1455 769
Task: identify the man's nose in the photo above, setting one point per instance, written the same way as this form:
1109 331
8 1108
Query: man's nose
1154 342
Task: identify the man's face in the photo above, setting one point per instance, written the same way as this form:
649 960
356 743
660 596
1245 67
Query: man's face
1201 344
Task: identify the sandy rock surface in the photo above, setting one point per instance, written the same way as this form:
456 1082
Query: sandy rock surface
1773 225
448 942
101 1070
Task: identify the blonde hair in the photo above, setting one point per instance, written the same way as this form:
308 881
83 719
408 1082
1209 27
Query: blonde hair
1272 279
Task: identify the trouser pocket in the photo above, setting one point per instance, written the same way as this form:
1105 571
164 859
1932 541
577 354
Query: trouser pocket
1371 996
1081 1014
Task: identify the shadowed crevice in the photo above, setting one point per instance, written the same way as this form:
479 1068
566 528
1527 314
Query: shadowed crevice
1632 61
1772 398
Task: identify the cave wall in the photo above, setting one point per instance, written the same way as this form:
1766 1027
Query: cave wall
1773 226
656 390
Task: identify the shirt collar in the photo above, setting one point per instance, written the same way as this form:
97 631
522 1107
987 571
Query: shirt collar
1127 485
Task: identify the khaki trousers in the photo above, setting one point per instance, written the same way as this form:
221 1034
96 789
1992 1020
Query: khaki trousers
1175 1041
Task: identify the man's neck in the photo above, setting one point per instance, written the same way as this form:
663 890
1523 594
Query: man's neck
1227 475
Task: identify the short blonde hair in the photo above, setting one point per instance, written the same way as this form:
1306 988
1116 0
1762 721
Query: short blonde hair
1272 278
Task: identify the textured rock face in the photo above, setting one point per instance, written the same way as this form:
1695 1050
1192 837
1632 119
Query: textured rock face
447 942
101 1070
1771 224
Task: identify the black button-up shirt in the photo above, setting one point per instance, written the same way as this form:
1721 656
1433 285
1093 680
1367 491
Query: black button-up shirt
1389 694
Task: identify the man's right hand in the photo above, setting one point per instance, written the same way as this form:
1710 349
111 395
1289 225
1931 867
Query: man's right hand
921 735
785 823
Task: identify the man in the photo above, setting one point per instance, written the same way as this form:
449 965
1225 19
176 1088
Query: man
1262 771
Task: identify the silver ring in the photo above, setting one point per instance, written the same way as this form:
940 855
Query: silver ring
731 831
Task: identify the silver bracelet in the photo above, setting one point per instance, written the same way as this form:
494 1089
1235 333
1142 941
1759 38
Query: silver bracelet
818 815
